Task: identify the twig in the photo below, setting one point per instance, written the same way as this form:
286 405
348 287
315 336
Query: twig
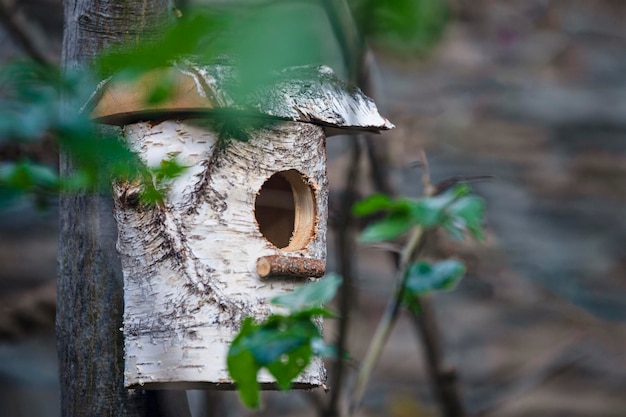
429 190
354 52
16 29
387 321
352 46
346 243
377 155
350 41
390 315
444 378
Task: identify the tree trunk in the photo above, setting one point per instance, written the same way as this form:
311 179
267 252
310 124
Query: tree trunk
90 300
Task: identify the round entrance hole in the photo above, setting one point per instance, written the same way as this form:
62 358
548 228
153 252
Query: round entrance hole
285 210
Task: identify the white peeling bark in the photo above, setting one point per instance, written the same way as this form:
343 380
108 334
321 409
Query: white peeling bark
190 265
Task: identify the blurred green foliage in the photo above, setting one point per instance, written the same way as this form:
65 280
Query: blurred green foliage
425 277
456 211
406 28
38 101
260 39
284 344
35 104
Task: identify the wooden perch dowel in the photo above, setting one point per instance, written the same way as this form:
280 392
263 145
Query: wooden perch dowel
277 265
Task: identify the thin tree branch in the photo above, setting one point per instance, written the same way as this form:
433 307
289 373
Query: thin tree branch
346 244
410 251
387 321
444 378
378 157
352 46
346 32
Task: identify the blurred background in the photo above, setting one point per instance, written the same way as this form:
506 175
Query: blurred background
531 92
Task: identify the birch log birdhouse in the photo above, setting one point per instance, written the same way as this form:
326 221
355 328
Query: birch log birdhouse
245 221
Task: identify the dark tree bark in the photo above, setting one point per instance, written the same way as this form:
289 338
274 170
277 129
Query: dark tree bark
90 301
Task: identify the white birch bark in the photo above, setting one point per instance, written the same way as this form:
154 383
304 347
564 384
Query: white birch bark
190 265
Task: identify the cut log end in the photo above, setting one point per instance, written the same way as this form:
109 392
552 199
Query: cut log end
290 266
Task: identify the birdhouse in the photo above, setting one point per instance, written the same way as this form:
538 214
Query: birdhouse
245 221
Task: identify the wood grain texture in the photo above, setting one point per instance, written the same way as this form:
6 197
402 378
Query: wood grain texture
90 296
282 266
122 101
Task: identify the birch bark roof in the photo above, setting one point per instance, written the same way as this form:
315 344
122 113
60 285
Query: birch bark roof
311 94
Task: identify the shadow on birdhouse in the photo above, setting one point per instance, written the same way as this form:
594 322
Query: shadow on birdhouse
245 221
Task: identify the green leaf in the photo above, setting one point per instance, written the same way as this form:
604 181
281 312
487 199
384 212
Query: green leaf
468 214
170 168
268 39
323 349
398 221
243 368
455 229
430 212
279 335
392 226
161 91
43 176
282 344
313 312
372 204
191 35
310 295
446 210
9 196
423 277
455 210
269 344
151 195
80 180
290 365
412 302
28 177
285 361
402 26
